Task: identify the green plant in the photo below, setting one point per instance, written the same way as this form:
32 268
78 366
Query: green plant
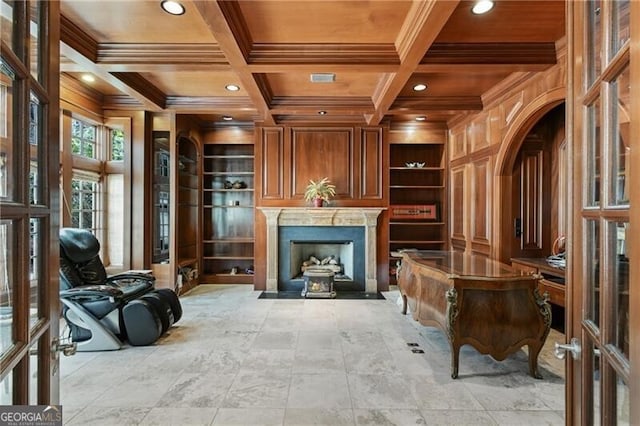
322 189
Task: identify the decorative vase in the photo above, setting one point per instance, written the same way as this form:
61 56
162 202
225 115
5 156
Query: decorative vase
317 202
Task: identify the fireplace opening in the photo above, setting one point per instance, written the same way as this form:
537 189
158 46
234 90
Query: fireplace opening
334 256
340 248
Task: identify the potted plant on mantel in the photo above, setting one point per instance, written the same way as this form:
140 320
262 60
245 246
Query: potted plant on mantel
320 191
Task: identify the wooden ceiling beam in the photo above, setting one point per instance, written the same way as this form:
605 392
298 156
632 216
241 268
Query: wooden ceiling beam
160 53
491 53
424 22
404 105
211 104
479 68
316 53
283 68
142 91
228 28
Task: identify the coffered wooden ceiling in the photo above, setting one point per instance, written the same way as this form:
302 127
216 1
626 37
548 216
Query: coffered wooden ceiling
378 50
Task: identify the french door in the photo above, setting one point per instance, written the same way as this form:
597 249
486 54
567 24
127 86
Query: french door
29 206
603 384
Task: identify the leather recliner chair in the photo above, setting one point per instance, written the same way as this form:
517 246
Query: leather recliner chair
104 311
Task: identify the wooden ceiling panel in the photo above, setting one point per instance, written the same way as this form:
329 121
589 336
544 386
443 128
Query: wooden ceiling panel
453 84
195 83
324 21
139 21
346 84
99 84
515 21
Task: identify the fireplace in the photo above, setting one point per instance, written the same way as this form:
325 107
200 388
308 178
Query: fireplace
333 226
297 244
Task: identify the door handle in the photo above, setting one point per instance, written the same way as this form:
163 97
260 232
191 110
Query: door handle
573 347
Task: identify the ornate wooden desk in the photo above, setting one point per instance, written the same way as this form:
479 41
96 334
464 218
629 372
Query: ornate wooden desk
475 301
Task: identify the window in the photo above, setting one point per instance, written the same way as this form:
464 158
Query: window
94 191
83 139
84 203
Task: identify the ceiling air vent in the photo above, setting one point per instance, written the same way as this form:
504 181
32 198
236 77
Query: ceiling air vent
325 77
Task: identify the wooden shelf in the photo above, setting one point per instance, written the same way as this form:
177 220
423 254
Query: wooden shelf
228 257
416 186
229 173
229 240
416 222
228 190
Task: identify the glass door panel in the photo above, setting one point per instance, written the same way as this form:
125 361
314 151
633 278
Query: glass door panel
593 151
623 401
592 257
8 261
8 114
594 40
36 28
619 24
621 151
620 285
36 174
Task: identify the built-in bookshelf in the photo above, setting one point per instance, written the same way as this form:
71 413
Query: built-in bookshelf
417 191
228 213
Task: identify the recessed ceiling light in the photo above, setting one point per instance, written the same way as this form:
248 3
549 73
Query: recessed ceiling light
172 7
227 118
420 87
232 87
88 78
482 6
421 118
323 112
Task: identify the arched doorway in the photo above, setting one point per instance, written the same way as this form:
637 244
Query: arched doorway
509 153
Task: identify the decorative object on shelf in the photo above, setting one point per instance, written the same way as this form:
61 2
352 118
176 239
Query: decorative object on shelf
320 191
228 184
415 164
413 211
238 184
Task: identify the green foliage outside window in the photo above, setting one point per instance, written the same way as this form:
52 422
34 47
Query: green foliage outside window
117 145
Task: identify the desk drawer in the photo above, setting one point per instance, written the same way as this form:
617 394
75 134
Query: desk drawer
555 290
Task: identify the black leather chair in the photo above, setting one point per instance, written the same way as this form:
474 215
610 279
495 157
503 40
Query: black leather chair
102 311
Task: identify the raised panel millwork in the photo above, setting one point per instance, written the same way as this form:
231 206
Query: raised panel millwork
371 164
457 203
458 146
531 171
317 153
481 206
272 154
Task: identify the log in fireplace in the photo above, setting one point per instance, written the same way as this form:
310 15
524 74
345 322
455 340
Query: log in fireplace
297 244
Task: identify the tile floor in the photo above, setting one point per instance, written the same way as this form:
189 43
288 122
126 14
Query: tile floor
235 359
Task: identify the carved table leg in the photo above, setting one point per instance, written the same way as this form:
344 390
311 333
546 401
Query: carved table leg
534 351
455 357
404 304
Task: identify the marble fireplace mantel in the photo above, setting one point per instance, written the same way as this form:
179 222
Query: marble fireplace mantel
322 216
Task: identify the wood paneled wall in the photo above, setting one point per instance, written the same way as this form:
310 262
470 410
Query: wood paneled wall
483 150
351 157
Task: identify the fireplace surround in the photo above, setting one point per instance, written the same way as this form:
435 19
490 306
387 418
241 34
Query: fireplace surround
365 218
